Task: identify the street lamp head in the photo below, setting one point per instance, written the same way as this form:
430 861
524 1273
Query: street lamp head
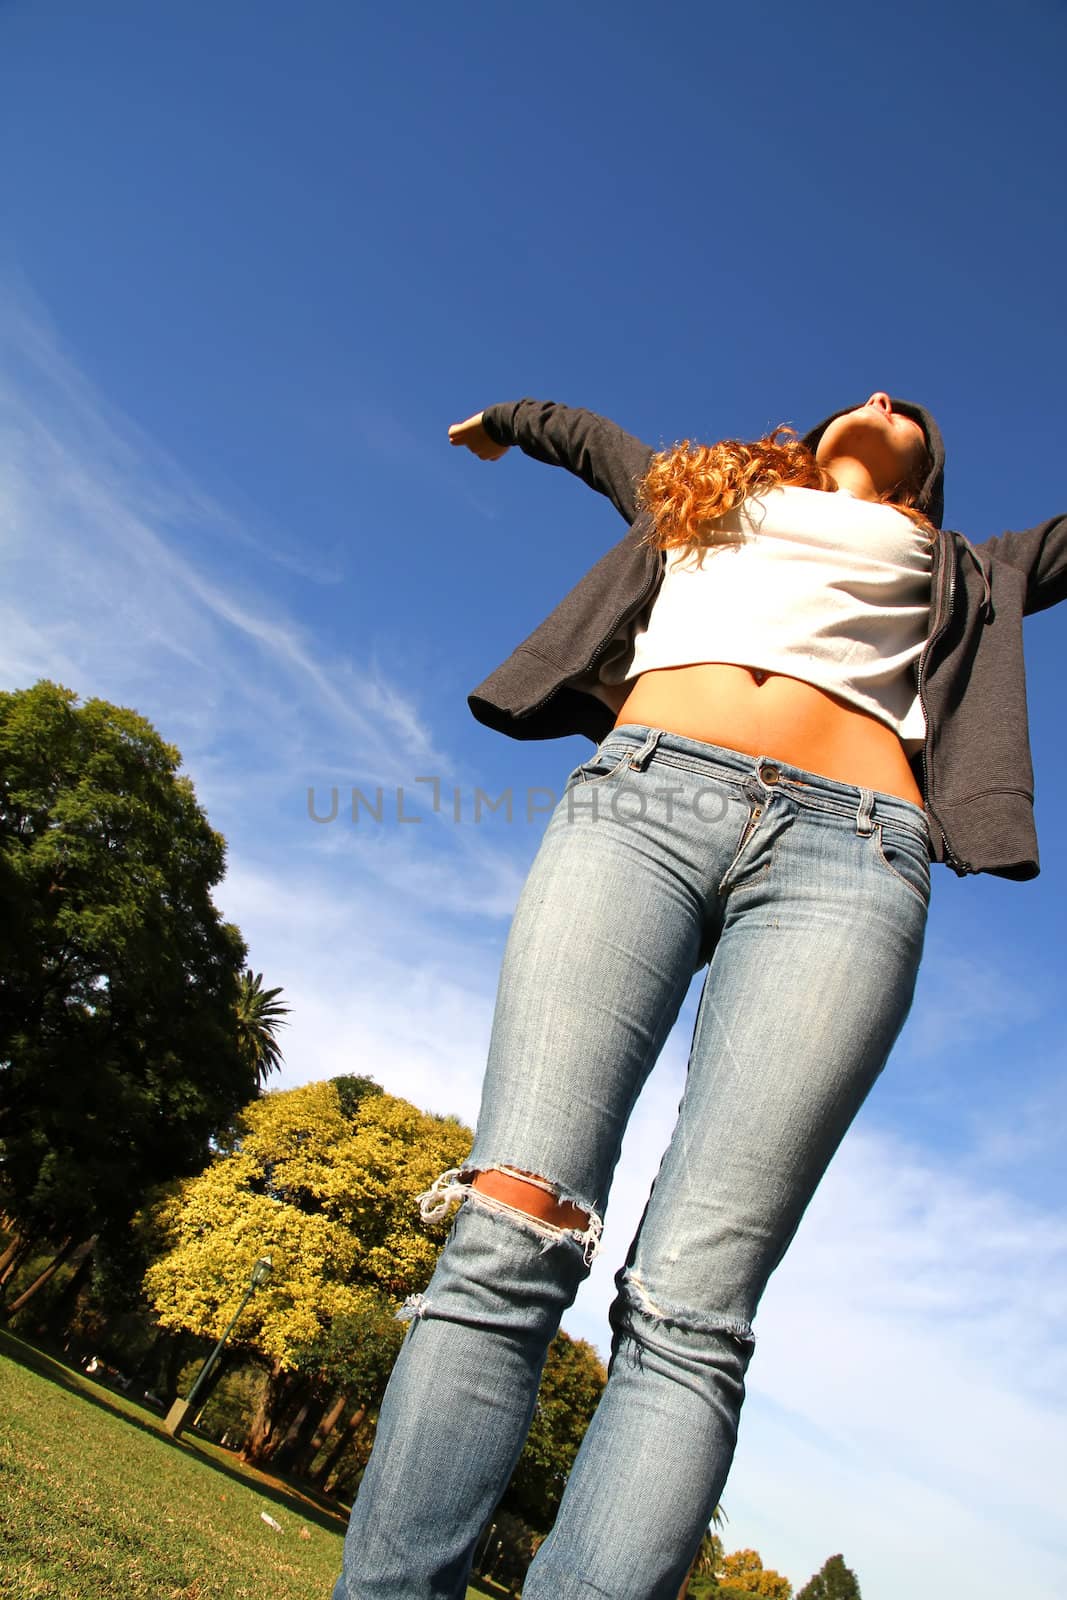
261 1271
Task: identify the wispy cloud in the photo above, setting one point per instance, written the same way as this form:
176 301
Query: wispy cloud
48 400
969 993
911 1348
108 583
381 985
1033 1135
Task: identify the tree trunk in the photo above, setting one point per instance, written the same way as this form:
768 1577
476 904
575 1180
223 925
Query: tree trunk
175 1353
327 1423
61 1312
287 1409
11 1249
39 1282
285 1430
265 1421
299 1433
303 1426
344 1439
14 1255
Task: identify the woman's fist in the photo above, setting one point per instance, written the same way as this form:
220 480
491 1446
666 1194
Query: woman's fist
472 433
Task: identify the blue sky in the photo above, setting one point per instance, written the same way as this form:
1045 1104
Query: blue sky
255 259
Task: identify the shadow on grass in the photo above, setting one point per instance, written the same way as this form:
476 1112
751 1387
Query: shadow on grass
301 1500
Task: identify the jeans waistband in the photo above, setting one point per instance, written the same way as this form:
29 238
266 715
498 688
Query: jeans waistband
811 789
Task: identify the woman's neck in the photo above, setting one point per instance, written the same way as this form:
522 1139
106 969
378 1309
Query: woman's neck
848 472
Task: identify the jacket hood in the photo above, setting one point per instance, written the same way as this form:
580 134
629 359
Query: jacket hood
932 494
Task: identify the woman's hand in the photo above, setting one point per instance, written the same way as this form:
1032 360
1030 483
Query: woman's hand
472 433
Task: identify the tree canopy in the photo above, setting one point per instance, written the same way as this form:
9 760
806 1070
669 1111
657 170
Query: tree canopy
322 1179
571 1385
743 1570
833 1581
119 979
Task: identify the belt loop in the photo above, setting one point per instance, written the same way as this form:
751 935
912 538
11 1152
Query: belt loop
640 759
864 822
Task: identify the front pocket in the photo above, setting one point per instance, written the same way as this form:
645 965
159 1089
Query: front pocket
906 855
604 765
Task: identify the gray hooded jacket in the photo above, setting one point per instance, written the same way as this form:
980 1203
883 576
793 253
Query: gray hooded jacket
975 771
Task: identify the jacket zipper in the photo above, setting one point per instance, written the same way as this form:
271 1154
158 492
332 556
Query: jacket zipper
942 615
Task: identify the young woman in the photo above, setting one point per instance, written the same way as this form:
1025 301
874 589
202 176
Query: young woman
802 691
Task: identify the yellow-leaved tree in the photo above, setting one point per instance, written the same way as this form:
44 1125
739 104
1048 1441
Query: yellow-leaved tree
743 1571
322 1179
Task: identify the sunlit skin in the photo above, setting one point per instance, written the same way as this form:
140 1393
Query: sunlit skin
872 449
528 1197
868 451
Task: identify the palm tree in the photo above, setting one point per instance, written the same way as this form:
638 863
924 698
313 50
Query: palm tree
259 1013
709 1554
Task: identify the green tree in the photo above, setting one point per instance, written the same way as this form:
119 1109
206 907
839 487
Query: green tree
701 1581
322 1179
259 1015
744 1571
571 1384
119 980
833 1581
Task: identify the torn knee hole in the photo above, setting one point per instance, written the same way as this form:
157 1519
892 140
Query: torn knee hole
528 1198
526 1192
635 1298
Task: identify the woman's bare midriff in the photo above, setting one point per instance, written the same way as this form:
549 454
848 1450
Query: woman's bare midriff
793 722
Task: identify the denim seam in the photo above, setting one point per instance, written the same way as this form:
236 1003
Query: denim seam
711 767
703 769
827 807
601 777
879 816
753 877
748 832
917 835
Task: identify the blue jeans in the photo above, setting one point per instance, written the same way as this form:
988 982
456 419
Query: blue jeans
808 899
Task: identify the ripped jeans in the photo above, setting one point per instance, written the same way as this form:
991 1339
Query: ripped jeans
808 899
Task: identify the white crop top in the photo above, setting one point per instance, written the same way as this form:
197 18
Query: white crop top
818 586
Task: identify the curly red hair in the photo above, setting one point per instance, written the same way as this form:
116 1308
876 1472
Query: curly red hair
687 488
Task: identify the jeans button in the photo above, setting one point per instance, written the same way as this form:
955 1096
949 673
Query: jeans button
769 773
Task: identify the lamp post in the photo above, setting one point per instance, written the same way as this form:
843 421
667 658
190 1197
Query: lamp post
181 1408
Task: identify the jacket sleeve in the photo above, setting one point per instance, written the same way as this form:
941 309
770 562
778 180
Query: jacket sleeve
1040 553
594 449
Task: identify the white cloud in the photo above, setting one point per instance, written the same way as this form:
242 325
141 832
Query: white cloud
107 584
967 994
373 981
907 1391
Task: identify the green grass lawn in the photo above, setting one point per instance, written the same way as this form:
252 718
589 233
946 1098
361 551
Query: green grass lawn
98 1503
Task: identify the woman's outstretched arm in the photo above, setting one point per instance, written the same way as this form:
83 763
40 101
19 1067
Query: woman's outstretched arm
1039 552
599 452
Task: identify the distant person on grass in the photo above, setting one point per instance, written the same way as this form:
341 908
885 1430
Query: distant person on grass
802 691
